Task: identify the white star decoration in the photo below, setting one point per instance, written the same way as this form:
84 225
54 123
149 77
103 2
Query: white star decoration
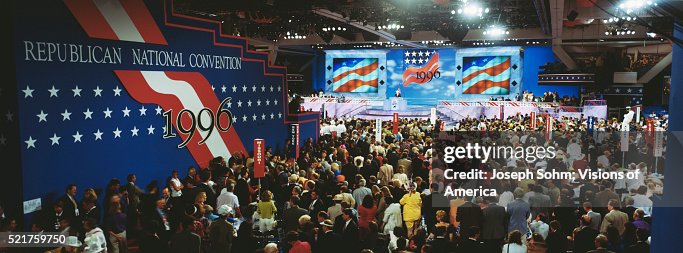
213 88
66 115
28 92
150 130
9 115
244 88
77 137
263 116
229 103
275 101
234 88
244 118
267 102
126 112
42 116
98 135
98 91
271 88
158 110
272 115
223 88
134 131
117 91
107 113
117 133
88 114
77 91
258 102
249 103
55 139
234 120
279 89
239 103
143 111
253 88
53 92
3 140
279 115
407 53
253 117
30 143
263 88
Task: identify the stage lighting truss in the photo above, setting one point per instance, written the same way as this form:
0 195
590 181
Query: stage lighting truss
496 31
334 29
294 36
635 6
471 9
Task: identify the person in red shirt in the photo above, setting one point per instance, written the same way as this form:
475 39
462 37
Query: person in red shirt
296 245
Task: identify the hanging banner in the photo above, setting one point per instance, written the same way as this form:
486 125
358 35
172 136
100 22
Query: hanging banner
638 113
294 138
533 120
659 143
432 115
378 130
548 127
590 124
259 158
395 123
649 131
624 140
442 125
501 112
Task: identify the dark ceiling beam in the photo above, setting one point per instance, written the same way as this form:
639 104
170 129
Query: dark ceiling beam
543 15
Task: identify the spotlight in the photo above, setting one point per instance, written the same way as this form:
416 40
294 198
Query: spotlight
486 10
651 34
452 12
606 33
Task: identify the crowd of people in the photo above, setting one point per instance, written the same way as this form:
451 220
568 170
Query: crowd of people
350 192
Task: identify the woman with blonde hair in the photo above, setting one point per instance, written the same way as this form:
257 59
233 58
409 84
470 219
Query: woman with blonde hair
266 211
412 210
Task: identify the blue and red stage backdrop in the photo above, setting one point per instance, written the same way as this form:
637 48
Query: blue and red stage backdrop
107 88
356 72
490 71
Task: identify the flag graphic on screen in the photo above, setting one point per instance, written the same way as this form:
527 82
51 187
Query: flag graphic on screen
355 75
419 62
488 75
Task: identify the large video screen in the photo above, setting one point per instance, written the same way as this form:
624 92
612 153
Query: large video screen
357 75
486 75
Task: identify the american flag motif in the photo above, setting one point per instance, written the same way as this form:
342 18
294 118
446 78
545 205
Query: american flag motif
488 75
417 61
355 75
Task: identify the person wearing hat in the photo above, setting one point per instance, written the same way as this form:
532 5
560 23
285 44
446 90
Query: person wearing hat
336 209
328 241
221 231
72 244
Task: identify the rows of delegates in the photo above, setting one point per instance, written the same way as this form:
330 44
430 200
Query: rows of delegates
349 192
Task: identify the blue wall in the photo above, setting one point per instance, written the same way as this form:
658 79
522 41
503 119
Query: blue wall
667 222
534 57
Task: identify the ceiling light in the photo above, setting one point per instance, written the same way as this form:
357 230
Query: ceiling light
452 11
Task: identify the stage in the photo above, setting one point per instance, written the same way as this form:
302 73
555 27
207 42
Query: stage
448 110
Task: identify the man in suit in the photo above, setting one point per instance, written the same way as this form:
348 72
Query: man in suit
211 195
472 243
630 208
469 215
540 203
584 239
614 218
329 241
603 197
494 220
518 212
601 243
641 246
89 210
186 241
222 232
316 206
291 215
69 200
595 217
349 232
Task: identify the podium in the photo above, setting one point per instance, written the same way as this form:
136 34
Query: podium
396 104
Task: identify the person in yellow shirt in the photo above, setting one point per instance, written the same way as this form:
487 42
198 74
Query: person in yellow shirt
412 213
266 211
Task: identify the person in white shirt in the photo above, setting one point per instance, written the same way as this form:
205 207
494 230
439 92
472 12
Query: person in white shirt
94 237
176 186
514 244
573 150
539 226
604 159
341 128
641 201
227 197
